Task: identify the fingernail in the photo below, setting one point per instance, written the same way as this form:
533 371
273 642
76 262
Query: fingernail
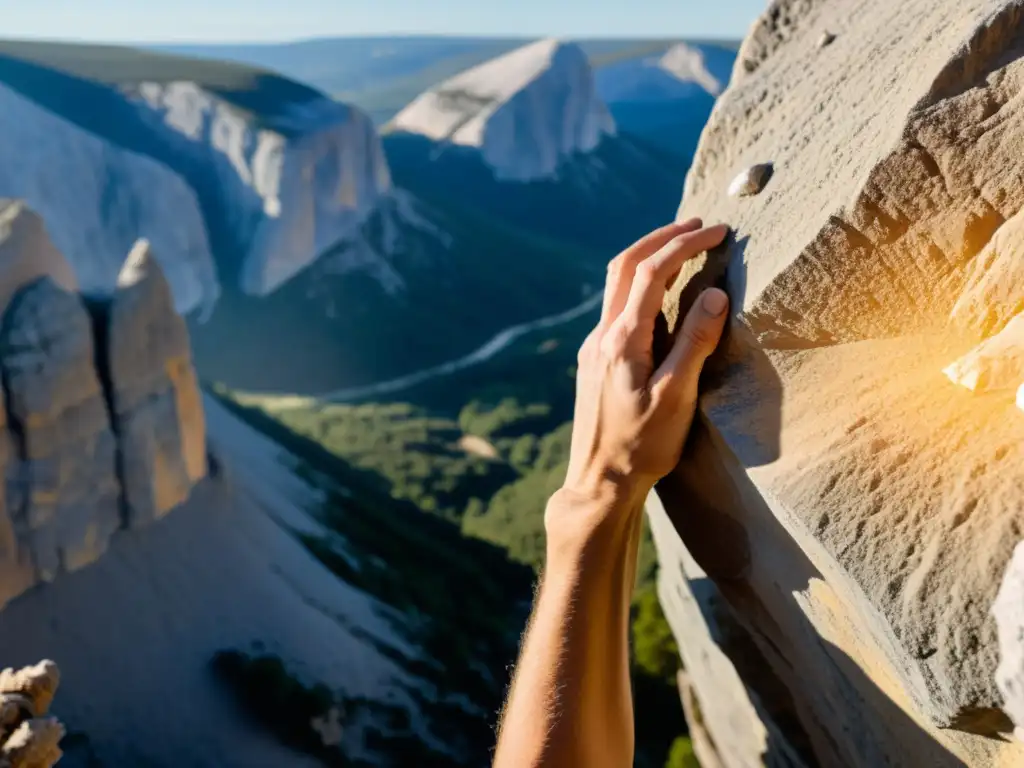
714 302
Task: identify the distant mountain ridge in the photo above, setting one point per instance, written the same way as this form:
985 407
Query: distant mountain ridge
383 74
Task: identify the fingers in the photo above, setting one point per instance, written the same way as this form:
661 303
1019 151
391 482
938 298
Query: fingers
635 326
701 331
622 268
653 274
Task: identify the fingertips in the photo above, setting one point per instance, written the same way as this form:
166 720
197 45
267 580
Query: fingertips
714 302
705 321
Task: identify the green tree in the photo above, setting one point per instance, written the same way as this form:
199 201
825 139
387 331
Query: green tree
681 755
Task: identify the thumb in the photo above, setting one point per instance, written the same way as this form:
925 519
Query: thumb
701 331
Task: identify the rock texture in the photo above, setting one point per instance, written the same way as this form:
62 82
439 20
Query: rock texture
526 112
854 507
64 487
155 404
1008 612
28 737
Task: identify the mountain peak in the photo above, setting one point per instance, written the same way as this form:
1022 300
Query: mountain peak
525 111
689 64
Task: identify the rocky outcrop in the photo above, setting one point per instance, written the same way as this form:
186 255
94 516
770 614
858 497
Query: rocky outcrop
70 475
64 486
28 737
154 396
526 112
854 507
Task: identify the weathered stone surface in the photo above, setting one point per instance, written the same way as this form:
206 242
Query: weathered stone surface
63 490
855 508
994 291
155 404
26 252
1008 612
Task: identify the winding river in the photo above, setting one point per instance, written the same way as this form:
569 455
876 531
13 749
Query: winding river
498 343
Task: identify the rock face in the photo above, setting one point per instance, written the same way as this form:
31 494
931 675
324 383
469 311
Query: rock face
1008 612
98 199
69 475
526 112
303 184
854 508
64 486
154 396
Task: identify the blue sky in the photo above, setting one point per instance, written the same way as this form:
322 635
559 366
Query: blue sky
258 20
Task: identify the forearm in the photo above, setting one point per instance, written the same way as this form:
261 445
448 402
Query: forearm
571 703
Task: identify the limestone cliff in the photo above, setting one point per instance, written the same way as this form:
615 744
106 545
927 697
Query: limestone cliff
849 506
99 198
237 177
526 112
303 183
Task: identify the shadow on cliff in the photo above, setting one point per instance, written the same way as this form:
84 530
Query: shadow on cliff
821 704
824 706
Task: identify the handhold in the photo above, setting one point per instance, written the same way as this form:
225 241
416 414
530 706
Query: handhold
751 181
995 364
826 39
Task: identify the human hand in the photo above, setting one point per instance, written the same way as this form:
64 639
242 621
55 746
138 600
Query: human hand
631 420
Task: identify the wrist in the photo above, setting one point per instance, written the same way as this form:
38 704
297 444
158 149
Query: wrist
592 522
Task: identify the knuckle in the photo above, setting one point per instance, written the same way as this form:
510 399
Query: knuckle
613 345
587 350
647 271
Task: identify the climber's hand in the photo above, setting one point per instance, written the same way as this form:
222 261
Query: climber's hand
631 420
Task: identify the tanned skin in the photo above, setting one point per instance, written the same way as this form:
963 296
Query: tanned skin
570 704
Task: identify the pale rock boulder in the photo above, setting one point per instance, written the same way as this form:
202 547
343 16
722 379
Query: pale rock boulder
29 738
856 509
155 403
995 364
994 291
525 112
63 491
